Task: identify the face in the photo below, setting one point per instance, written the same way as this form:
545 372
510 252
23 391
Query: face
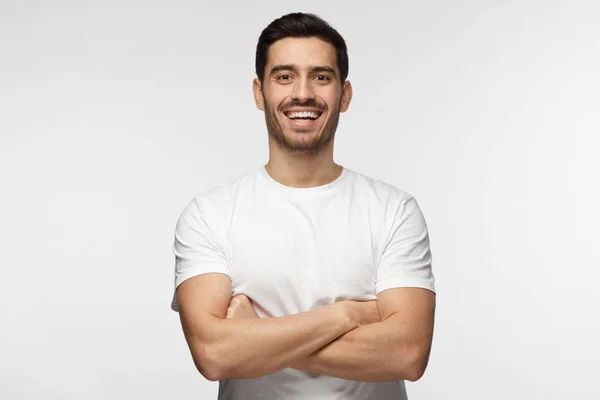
302 94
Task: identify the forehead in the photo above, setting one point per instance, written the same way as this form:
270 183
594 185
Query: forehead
303 52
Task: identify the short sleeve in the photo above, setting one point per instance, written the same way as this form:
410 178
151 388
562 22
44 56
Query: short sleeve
406 258
196 248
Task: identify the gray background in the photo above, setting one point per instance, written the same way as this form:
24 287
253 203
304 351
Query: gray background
114 114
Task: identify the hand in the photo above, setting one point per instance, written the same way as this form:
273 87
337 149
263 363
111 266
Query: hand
363 312
240 306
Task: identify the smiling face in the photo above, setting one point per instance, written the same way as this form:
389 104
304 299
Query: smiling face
302 94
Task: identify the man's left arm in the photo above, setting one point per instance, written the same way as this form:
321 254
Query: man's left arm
397 348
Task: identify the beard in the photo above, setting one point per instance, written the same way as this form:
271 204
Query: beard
308 146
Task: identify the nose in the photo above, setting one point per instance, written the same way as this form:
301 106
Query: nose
303 90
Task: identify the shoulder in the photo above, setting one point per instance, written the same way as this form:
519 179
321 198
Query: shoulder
218 200
385 193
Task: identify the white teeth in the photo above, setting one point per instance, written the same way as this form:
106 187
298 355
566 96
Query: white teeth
303 114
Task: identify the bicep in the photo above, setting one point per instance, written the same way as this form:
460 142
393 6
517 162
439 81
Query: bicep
408 314
412 310
203 300
200 299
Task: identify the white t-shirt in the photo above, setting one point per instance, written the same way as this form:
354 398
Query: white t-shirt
297 249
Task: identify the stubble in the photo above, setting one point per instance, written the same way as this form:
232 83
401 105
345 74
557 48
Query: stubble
300 147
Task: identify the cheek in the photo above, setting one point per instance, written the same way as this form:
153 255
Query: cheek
332 99
274 99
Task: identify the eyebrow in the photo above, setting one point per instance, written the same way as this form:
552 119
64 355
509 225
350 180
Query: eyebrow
293 68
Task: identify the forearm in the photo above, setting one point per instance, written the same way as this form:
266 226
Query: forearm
372 353
252 347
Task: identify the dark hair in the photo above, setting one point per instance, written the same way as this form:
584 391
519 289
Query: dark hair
300 25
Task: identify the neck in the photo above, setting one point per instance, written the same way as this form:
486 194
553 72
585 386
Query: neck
302 171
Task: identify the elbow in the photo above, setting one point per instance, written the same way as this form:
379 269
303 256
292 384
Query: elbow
209 362
414 374
212 375
414 365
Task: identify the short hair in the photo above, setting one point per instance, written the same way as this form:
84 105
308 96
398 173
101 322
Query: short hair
300 25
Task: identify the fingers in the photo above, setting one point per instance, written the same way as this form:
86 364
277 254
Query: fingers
240 306
240 298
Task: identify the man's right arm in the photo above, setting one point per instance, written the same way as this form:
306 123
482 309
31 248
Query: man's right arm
248 348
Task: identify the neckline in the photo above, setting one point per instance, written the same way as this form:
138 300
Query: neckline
314 189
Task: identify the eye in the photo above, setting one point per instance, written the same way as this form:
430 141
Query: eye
284 77
323 78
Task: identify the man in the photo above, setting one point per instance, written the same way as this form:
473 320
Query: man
304 279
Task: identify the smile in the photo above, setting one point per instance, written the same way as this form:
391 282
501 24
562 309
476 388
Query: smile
303 116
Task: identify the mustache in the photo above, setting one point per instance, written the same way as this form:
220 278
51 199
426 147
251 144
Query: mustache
308 103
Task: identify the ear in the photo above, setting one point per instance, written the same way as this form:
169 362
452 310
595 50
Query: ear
258 95
346 96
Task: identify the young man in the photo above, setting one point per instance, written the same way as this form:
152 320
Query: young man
304 279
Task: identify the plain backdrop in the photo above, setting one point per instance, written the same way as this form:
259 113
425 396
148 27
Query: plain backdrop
115 114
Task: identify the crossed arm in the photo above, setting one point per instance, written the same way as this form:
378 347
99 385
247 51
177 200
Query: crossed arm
395 348
389 339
